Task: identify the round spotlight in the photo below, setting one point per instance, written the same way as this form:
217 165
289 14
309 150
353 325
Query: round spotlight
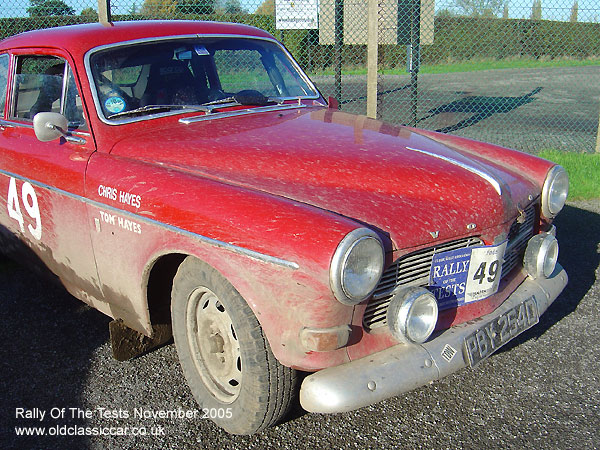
412 315
541 255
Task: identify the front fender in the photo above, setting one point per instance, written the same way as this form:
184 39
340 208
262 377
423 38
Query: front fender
275 252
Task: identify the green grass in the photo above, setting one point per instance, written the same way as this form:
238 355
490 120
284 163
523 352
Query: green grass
477 65
508 64
583 169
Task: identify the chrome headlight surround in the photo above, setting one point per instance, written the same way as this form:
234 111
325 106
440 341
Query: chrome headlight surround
356 266
555 191
412 315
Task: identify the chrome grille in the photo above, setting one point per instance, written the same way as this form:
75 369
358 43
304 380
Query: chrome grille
409 270
413 269
519 234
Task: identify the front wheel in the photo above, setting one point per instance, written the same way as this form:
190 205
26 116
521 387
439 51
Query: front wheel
224 354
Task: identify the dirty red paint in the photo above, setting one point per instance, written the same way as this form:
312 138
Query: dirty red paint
287 184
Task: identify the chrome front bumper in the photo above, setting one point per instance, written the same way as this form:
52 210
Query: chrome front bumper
406 367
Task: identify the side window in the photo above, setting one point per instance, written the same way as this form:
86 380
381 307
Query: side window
46 84
3 82
72 106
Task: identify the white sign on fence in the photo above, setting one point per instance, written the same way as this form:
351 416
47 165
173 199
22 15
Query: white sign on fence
296 14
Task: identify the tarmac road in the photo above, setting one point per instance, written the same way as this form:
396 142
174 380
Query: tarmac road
541 392
526 109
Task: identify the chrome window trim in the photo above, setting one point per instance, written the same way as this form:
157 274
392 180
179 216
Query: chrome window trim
94 91
214 242
6 86
14 121
13 105
63 94
16 124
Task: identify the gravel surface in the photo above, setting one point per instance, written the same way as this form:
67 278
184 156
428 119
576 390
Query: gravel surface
541 392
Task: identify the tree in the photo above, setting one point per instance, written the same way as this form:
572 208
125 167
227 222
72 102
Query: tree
574 12
480 8
159 8
233 7
134 9
196 6
90 13
40 8
536 10
505 11
266 8
445 12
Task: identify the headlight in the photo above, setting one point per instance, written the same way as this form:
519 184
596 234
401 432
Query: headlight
412 315
541 255
555 191
356 266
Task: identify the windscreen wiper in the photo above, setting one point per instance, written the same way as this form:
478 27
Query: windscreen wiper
159 108
247 97
222 101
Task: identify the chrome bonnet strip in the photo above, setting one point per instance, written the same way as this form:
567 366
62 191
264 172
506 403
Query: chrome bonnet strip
486 176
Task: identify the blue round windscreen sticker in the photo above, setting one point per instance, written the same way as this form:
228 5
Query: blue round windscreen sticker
114 104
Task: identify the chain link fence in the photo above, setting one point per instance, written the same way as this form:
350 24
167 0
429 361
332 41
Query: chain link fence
519 73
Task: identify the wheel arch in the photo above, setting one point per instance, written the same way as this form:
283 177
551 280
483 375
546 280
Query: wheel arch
277 310
159 282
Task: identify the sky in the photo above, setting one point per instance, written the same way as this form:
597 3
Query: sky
589 10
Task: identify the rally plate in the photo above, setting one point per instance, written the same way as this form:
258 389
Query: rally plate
497 332
466 275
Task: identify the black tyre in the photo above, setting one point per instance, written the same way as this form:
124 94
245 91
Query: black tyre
224 354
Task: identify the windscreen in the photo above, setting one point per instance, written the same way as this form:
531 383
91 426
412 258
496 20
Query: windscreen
198 71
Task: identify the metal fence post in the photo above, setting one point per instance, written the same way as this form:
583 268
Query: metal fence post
372 54
598 137
415 44
339 42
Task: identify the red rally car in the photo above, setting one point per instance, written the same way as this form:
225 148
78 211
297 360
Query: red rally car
188 180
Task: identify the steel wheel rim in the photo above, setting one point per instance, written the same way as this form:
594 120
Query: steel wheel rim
214 346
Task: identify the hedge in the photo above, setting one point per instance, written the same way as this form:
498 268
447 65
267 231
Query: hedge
456 39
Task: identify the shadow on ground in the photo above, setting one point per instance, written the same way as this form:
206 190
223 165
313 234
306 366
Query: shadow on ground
49 339
481 108
578 233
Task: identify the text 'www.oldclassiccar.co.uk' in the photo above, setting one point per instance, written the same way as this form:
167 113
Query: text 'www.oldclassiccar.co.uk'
111 422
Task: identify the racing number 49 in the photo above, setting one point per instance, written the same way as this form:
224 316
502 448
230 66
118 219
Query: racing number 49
492 272
30 202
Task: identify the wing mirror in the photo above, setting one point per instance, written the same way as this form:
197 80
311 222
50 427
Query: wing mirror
49 126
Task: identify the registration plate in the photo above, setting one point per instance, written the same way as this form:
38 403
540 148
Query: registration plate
494 334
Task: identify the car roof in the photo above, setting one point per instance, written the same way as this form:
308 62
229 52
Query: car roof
78 39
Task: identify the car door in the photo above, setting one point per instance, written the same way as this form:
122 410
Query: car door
42 183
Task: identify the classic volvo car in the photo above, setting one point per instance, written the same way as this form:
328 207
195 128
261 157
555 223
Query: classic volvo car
188 180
